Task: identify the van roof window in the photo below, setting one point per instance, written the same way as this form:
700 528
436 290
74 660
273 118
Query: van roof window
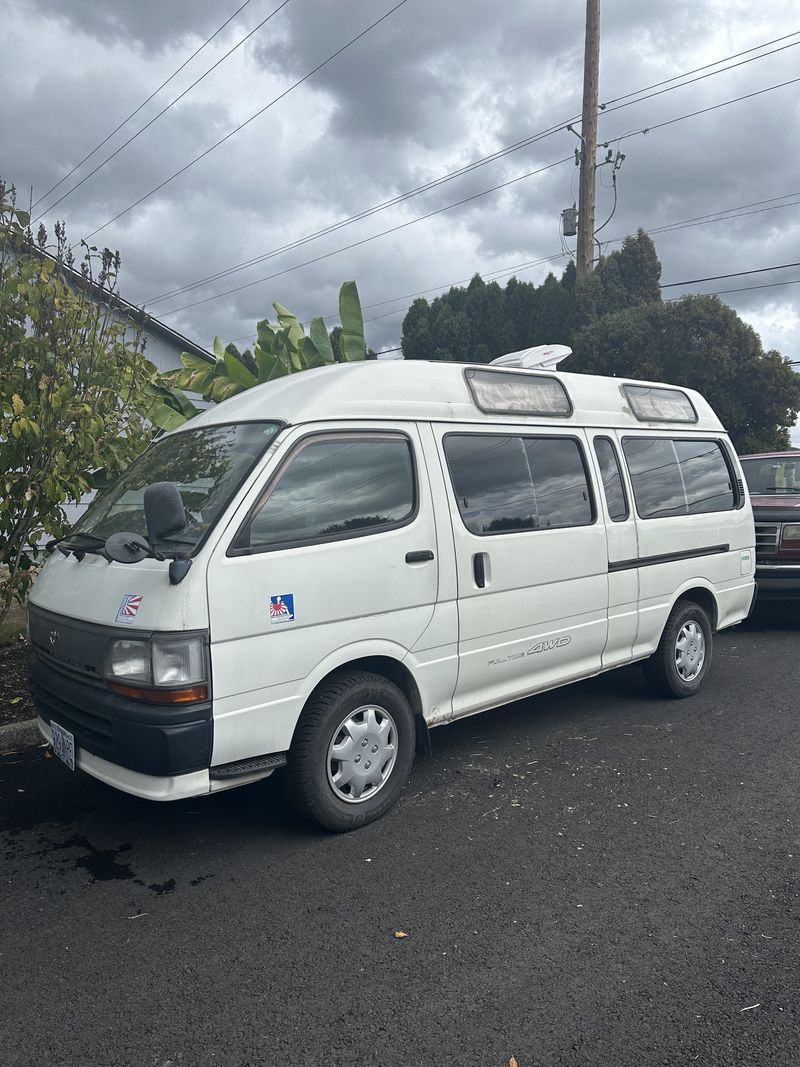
650 403
517 392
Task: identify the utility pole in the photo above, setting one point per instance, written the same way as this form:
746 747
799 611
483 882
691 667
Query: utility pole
591 64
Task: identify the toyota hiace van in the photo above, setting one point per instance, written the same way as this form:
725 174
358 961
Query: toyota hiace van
315 573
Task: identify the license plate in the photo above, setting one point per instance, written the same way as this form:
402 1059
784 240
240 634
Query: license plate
63 745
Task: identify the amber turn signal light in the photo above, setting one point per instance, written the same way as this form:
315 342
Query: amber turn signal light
190 695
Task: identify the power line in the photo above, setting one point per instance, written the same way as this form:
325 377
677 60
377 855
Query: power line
703 111
467 168
373 237
366 213
144 103
735 274
504 271
696 70
163 111
247 122
747 288
447 207
697 220
723 216
691 81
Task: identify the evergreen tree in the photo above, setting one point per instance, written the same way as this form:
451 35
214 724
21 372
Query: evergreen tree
417 340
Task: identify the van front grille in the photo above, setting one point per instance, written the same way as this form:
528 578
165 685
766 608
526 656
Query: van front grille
767 538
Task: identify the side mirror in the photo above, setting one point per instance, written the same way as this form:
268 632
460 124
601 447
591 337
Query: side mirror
164 512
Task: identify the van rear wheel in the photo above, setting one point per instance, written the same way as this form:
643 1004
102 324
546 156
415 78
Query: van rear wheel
352 751
681 661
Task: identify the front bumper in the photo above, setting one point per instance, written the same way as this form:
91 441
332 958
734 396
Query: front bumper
147 739
147 786
778 581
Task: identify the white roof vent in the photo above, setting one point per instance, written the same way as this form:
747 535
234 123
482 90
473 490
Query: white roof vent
534 358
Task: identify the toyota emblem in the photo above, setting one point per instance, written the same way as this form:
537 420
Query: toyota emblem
55 637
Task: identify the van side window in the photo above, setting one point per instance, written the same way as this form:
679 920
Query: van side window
338 486
510 484
678 477
708 481
613 487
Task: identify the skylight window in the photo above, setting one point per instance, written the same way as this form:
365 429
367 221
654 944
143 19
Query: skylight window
650 403
517 393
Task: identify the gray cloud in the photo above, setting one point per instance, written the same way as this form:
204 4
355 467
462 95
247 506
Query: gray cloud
430 89
149 23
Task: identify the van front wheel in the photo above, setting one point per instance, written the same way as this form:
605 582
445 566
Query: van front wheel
681 661
352 751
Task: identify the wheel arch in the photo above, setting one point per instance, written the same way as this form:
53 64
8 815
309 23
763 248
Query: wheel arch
704 596
393 670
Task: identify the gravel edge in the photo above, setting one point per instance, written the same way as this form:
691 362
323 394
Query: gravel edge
17 736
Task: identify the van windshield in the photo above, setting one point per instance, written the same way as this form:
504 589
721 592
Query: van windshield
207 465
772 475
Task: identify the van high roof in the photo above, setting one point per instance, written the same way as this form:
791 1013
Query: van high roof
437 391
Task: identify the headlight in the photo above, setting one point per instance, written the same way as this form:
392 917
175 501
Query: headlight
178 661
163 670
791 535
130 660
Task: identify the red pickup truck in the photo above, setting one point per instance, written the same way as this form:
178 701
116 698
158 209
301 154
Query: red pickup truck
773 480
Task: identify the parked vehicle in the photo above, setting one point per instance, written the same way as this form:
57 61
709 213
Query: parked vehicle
774 483
323 568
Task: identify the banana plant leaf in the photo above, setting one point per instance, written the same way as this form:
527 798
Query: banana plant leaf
352 343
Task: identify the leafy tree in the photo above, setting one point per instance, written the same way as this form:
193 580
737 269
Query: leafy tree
281 349
701 343
75 387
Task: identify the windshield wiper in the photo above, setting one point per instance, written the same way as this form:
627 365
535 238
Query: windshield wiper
780 489
64 544
178 541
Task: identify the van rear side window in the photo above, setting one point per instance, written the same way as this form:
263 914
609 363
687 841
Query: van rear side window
509 484
613 488
678 477
336 487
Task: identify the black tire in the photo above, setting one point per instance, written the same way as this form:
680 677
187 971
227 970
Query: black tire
661 670
309 780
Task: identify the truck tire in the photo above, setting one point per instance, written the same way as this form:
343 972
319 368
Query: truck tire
679 665
352 751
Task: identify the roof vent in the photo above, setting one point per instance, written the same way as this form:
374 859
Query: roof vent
532 358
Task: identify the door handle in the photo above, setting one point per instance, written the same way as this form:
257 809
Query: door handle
479 569
424 556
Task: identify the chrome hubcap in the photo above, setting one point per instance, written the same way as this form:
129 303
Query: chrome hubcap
362 753
690 651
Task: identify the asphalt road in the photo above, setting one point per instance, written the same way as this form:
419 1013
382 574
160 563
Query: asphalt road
590 877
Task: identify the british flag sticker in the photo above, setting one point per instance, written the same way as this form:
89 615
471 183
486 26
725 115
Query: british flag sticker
281 608
130 605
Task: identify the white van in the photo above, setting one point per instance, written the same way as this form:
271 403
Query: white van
319 570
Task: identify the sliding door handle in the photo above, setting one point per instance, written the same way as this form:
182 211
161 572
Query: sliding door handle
424 556
479 569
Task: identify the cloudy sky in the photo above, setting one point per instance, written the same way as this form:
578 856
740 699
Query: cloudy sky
428 90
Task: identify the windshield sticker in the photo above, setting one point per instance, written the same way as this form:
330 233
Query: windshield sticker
131 603
281 608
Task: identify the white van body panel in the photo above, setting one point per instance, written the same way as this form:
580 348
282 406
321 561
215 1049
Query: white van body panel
341 591
93 590
622 543
541 618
